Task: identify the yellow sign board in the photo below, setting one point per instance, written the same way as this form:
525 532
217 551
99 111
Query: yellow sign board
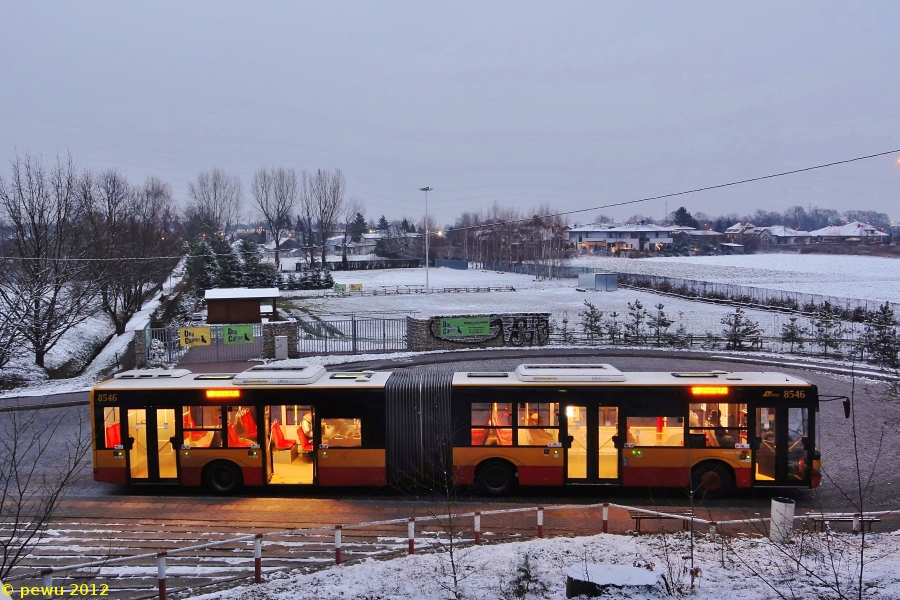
355 287
195 336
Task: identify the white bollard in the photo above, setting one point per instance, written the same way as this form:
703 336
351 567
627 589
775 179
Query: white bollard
782 527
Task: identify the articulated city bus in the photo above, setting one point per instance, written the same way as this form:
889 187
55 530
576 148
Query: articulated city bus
541 425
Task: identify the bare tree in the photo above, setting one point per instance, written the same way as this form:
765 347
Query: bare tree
216 201
47 272
327 189
348 213
307 215
135 234
275 193
34 474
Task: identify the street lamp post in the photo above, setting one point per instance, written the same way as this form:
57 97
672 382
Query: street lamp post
426 190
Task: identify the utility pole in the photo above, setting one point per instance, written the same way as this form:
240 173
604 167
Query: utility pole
426 189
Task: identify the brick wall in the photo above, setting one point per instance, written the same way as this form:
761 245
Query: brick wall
288 328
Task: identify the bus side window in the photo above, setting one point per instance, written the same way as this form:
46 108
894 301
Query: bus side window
342 433
112 428
202 426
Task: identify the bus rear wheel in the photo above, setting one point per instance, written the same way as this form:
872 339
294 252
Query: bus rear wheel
222 478
712 480
496 477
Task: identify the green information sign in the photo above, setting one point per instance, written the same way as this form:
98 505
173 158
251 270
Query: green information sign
238 334
465 327
340 287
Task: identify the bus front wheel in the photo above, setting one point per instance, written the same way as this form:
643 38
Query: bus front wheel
712 479
496 477
222 477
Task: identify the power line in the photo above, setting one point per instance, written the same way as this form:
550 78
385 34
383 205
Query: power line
685 192
495 224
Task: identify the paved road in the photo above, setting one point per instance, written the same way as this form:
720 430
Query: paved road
96 517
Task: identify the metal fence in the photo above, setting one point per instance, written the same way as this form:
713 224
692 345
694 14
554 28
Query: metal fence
163 346
351 336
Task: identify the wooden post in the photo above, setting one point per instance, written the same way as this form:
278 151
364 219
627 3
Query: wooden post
257 558
411 534
605 517
540 521
161 573
337 544
477 527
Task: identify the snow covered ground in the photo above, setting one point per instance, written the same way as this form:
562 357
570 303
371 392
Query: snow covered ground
558 297
745 568
867 277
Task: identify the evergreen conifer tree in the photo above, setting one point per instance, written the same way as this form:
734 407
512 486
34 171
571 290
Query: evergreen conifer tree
828 328
228 267
201 265
383 224
635 326
793 333
326 279
739 330
881 340
613 327
659 324
591 322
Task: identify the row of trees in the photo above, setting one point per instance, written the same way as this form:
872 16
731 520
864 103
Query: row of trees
74 242
878 343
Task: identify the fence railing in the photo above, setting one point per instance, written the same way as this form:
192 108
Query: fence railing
351 336
163 346
175 569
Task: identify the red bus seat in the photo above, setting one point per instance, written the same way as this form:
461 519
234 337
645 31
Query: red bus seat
187 422
234 441
114 435
278 438
304 441
249 423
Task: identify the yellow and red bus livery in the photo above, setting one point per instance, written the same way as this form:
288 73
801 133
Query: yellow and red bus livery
541 425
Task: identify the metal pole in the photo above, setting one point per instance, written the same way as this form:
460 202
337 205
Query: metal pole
477 527
540 521
427 285
337 544
411 534
161 573
47 582
257 558
605 517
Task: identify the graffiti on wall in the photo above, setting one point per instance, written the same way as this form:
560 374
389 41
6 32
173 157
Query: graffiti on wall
509 330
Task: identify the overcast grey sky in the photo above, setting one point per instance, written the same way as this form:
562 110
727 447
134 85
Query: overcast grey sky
571 104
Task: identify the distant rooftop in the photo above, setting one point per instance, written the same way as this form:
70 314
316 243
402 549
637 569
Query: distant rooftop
242 293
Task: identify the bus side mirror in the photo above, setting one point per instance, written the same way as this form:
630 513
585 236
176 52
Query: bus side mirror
846 408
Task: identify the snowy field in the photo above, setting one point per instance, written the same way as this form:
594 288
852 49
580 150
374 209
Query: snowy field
866 277
558 297
745 568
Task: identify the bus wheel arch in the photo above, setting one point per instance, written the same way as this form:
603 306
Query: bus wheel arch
222 477
712 479
496 476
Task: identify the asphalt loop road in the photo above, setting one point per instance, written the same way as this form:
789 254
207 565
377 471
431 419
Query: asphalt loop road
879 453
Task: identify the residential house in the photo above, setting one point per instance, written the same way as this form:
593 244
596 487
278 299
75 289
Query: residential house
778 235
851 233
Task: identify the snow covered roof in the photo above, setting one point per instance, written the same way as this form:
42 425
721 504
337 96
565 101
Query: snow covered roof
648 227
701 233
739 228
241 293
592 227
853 229
781 231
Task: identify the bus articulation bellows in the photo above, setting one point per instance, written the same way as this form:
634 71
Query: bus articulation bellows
541 425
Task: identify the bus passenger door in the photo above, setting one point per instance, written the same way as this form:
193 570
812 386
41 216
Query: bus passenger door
782 446
152 457
608 449
577 443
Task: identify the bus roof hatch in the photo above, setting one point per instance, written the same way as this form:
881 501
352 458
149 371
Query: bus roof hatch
264 375
569 373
